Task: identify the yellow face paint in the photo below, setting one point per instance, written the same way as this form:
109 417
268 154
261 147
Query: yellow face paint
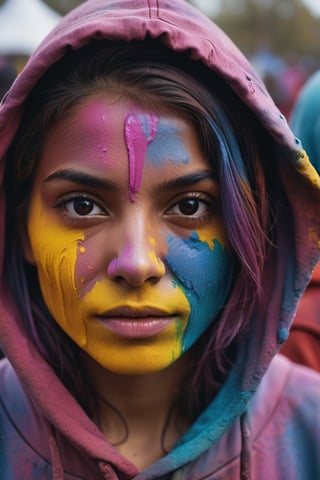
209 236
55 250
129 355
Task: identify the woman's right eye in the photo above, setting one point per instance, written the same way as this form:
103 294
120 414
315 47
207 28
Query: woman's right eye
81 206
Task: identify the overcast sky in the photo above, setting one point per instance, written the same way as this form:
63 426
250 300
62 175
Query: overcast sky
314 5
210 7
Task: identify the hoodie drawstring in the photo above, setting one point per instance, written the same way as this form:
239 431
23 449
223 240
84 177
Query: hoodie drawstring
245 455
107 471
57 467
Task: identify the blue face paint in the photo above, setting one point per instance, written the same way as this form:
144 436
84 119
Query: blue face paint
167 145
205 276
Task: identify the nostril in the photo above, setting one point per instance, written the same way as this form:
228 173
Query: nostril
118 279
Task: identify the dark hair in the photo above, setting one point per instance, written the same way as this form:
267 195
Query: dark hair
232 140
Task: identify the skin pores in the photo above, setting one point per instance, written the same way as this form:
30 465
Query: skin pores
126 233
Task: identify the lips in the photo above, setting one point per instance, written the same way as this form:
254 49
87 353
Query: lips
130 322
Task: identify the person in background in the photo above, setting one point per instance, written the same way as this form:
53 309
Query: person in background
304 340
7 76
156 227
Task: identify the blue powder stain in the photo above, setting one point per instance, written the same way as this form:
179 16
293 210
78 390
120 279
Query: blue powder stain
298 141
168 145
205 277
283 334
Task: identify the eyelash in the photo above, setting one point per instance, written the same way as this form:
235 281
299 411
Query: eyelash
210 204
63 205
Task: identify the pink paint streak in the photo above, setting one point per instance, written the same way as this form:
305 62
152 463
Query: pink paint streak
137 141
117 263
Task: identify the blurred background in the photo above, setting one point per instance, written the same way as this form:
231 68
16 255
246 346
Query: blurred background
280 37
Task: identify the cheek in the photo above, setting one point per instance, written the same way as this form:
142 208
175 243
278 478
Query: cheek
212 236
86 267
55 251
204 273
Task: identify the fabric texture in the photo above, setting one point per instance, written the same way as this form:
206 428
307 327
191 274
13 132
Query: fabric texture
260 425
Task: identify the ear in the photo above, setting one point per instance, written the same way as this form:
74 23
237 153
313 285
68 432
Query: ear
26 244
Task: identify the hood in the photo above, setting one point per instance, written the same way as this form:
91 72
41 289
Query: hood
181 28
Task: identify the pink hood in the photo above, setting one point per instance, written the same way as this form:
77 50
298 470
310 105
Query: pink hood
181 28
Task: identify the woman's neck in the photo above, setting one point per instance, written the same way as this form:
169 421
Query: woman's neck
138 414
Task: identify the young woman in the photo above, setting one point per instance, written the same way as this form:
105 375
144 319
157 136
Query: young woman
161 224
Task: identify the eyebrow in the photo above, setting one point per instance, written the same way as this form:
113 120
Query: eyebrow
188 180
87 179
82 178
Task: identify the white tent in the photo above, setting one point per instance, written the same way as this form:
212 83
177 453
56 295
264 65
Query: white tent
23 24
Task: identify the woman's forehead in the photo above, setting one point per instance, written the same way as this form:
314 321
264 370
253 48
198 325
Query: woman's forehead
100 133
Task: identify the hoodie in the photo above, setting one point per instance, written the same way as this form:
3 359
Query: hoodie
261 424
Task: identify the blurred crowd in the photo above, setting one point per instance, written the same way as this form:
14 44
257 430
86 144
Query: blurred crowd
284 76
7 75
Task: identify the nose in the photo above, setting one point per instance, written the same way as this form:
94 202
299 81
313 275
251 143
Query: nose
138 256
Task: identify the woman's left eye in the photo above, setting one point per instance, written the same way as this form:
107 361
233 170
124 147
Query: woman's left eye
82 206
190 207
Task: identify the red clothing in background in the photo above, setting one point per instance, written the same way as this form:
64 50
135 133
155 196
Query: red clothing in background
303 344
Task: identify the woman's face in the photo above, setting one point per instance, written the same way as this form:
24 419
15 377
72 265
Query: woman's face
126 233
